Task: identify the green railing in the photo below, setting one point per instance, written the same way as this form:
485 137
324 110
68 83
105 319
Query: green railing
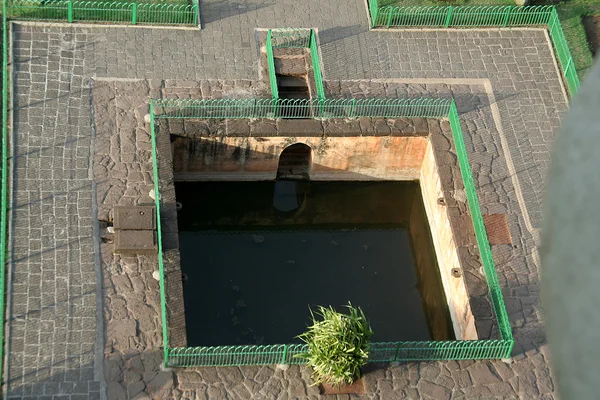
346 108
440 350
271 65
482 16
314 56
296 38
227 356
462 16
236 355
161 266
300 108
4 188
563 53
116 12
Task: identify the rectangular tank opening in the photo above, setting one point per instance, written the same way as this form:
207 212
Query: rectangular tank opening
251 271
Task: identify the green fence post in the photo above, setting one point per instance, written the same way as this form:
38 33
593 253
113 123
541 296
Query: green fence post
284 355
70 11
271 65
389 21
196 12
506 17
448 17
134 14
374 7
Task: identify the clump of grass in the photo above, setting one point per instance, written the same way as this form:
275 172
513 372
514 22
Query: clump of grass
338 345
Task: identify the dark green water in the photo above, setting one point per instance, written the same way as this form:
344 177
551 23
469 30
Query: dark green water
251 273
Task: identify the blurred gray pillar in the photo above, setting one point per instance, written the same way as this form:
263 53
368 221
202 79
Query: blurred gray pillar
571 247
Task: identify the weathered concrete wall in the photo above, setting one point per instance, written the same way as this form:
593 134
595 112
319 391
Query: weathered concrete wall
334 158
446 249
430 284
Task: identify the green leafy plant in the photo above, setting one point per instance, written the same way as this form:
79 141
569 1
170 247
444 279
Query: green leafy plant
338 345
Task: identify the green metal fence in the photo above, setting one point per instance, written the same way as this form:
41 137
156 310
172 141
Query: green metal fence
482 16
314 56
563 53
380 351
236 355
282 38
300 108
4 183
94 11
462 16
440 350
271 65
295 38
224 356
161 266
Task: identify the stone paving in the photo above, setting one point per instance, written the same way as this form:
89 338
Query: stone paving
58 336
52 314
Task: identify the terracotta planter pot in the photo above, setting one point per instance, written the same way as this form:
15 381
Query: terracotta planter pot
358 387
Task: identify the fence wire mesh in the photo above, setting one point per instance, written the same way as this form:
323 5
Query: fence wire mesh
301 108
99 11
295 38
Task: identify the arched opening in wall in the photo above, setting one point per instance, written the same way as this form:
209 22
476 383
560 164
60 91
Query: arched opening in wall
293 174
295 162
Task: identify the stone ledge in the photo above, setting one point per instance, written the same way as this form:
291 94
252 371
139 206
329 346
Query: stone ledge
135 242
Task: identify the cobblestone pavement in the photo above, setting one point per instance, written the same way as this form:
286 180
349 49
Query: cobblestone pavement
52 320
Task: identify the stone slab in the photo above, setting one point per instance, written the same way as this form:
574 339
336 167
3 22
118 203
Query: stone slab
135 242
135 218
